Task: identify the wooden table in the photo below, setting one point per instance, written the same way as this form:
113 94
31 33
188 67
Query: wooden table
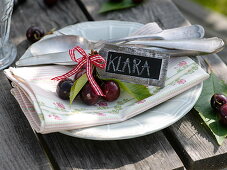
186 144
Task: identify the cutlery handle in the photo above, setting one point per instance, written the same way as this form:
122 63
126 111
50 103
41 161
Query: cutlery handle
187 32
176 53
210 45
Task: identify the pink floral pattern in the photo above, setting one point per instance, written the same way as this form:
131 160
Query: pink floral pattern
141 101
181 81
56 117
101 114
59 105
182 63
102 104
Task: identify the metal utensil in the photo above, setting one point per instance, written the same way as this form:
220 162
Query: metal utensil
175 48
65 42
209 45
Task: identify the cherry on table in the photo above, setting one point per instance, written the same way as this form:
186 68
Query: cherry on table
217 100
88 95
63 88
111 90
223 114
34 34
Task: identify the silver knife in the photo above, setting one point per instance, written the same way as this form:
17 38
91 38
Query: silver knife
61 58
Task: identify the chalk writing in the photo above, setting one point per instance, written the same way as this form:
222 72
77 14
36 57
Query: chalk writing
133 65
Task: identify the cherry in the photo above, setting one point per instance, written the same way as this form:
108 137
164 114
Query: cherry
217 100
88 95
63 88
50 3
223 114
111 90
79 74
84 67
34 34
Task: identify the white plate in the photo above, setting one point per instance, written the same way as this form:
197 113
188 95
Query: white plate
148 122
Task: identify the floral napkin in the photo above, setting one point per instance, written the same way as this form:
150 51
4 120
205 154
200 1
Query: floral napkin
35 92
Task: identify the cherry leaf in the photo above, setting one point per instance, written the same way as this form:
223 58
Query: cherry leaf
211 86
77 86
111 6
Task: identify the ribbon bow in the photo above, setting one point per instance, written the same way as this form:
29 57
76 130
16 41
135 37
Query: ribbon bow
89 60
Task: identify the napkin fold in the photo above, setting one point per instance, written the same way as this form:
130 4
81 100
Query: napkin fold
46 112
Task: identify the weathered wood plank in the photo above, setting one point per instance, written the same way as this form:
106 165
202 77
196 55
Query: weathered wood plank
149 152
167 16
190 137
76 153
19 146
216 65
164 12
214 23
195 144
36 13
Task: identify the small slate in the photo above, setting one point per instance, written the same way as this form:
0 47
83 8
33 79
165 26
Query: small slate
134 65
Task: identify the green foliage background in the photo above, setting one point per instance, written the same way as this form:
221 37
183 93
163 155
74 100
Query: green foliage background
217 5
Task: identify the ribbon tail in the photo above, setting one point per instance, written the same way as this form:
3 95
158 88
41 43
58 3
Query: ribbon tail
92 81
70 73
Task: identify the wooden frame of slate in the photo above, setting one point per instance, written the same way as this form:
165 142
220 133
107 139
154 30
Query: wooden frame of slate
134 65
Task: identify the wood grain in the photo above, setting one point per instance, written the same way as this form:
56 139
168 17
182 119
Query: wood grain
192 135
149 152
213 22
19 146
196 145
164 12
65 12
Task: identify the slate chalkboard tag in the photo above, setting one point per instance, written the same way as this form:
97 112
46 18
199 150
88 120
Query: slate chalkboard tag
134 65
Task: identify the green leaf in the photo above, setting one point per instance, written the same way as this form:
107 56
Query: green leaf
211 86
137 91
77 86
111 6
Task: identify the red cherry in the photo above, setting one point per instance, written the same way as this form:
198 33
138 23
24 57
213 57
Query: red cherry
217 100
111 90
34 34
223 114
88 95
63 88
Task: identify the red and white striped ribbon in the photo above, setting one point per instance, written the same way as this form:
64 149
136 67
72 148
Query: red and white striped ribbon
89 60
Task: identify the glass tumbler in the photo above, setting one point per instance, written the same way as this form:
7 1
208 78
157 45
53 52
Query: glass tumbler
7 49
